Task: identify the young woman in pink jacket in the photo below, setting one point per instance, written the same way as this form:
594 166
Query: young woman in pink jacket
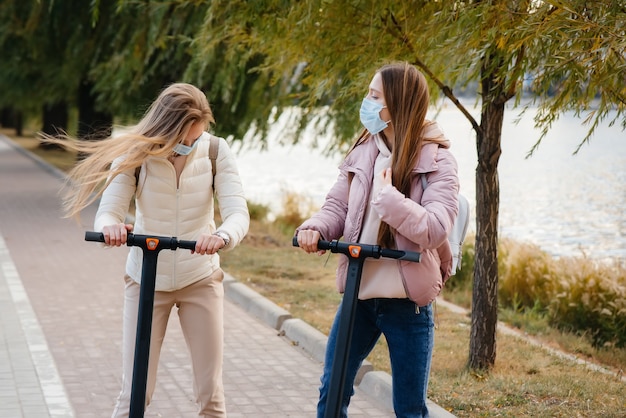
379 198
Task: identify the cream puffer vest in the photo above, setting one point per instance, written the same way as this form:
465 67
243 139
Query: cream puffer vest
184 212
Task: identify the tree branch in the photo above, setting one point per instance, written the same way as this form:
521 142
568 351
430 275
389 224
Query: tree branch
516 74
447 91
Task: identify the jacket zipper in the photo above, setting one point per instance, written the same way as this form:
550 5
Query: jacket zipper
176 209
406 287
359 176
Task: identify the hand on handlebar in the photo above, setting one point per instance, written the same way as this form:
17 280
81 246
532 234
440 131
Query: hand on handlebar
116 235
208 244
308 239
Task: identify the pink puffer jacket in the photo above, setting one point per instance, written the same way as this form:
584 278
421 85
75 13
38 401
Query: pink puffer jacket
422 221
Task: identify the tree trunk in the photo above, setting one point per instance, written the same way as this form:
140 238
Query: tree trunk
6 119
12 118
482 354
55 119
19 123
92 124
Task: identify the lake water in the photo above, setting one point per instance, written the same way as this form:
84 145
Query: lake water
567 204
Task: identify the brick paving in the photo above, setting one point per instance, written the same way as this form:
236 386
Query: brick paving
60 318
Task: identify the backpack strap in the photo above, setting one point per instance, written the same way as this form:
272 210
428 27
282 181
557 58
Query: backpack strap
214 148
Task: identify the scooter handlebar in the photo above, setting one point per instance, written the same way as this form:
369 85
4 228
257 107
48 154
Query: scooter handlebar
374 251
401 255
94 236
134 240
188 245
321 244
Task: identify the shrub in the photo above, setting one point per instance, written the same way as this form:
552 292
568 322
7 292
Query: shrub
574 294
590 299
525 276
258 212
296 208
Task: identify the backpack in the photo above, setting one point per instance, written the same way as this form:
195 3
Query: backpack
458 231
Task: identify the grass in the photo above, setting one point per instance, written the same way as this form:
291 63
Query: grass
526 381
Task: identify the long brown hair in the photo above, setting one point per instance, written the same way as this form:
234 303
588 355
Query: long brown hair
407 98
166 123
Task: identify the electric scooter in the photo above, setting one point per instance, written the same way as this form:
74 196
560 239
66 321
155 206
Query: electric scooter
151 246
356 253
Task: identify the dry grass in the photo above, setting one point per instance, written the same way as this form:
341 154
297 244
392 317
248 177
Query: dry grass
527 381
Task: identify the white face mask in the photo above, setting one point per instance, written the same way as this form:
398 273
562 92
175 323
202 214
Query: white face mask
370 116
182 149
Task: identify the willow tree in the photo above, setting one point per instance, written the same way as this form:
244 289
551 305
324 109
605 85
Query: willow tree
154 45
31 79
322 55
48 49
150 48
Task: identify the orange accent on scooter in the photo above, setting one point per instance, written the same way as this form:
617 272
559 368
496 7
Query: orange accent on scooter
355 250
152 243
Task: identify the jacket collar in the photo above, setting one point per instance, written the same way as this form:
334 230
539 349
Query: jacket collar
365 154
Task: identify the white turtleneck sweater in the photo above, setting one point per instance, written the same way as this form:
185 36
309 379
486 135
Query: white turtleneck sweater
381 277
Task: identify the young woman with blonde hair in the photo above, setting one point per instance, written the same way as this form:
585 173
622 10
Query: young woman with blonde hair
379 199
163 162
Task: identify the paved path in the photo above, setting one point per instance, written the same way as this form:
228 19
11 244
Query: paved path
60 324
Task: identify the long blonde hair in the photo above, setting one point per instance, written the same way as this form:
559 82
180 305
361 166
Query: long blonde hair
166 123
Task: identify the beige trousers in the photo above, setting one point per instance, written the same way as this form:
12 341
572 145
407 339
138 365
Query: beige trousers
201 313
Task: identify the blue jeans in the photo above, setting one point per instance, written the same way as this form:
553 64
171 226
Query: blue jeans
410 336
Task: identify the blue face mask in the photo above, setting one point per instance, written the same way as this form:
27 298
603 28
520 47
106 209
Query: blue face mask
182 149
370 116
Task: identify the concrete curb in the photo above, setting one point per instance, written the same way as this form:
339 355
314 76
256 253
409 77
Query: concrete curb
40 161
255 304
376 384
305 336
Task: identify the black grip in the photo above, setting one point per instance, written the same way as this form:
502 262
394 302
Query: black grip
401 255
188 245
94 236
321 244
367 250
